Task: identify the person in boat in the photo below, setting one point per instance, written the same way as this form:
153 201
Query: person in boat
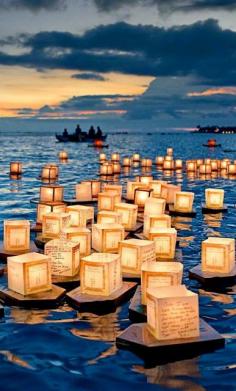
99 132
91 132
78 130
65 133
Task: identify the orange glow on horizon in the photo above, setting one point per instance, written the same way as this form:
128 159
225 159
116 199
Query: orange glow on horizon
215 91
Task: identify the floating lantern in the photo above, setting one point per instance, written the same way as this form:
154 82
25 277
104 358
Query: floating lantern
205 169
83 191
131 187
165 242
95 187
107 200
155 275
136 157
155 186
218 255
155 221
172 313
169 151
79 235
116 168
146 162
102 157
141 194
51 193
115 157
54 223
168 192
144 179
231 169
154 206
49 173
108 217
80 215
43 209
133 252
214 165
168 165
224 164
128 214
199 162
106 169
29 273
64 257
106 237
16 168
214 198
207 161
183 201
178 164
191 166
100 274
113 189
63 155
126 162
16 235
159 160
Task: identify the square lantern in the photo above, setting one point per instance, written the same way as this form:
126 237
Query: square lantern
155 221
155 186
106 237
214 198
141 195
54 223
29 273
191 166
100 274
108 217
49 173
144 179
218 255
106 169
43 208
165 242
83 191
115 157
168 192
168 164
79 235
178 164
107 200
64 257
169 151
183 201
131 187
95 187
80 215
113 189
136 157
205 169
51 193
172 313
154 206
133 252
16 235
16 168
126 162
159 160
116 167
102 157
128 214
231 169
146 162
158 274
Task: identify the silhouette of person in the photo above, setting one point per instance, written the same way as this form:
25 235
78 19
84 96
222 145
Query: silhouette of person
91 132
99 132
78 130
65 133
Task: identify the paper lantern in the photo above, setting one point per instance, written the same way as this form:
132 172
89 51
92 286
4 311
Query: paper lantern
78 235
178 164
108 217
100 274
136 157
169 151
54 223
102 157
205 169
159 160
168 165
16 168
128 214
64 257
113 189
16 235
155 275
155 221
214 165
29 273
141 194
146 162
165 242
191 166
49 173
218 255
51 193
183 201
207 161
154 206
199 162
116 167
126 162
155 186
231 169
107 201
133 252
83 191
131 187
80 215
43 208
172 313
106 169
168 192
144 179
214 198
95 187
115 157
63 155
224 164
106 237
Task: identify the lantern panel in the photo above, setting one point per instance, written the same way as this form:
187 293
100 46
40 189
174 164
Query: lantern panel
218 255
108 217
16 235
128 214
107 201
64 257
106 237
214 198
165 242
134 252
54 223
79 235
183 201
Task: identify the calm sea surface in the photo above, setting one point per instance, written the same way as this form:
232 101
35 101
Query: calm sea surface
64 350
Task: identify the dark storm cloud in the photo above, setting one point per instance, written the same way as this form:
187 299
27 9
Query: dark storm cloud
202 49
33 5
89 76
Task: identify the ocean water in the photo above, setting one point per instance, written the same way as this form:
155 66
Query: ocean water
64 350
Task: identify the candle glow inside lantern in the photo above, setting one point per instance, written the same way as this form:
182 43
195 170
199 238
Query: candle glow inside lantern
51 193
16 235
158 274
136 157
43 209
106 237
218 255
83 191
106 169
145 179
133 252
80 214
172 313
102 157
29 273
108 217
168 192
108 200
113 189
95 187
165 242
155 221
131 187
54 223
141 194
100 274
183 201
159 160
115 157
205 169
178 164
214 198
16 168
154 206
146 162
79 235
126 162
64 257
63 155
128 214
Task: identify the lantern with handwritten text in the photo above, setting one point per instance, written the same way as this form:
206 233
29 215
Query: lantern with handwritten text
64 257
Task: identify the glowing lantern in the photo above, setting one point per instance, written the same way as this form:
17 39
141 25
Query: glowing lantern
172 313
54 223
199 162
169 151
205 169
218 255
165 242
100 274
115 157
16 235
16 168
214 165
207 161
126 162
136 157
155 221
107 201
191 166
155 275
128 214
64 257
79 235
106 169
106 237
83 191
95 187
29 273
168 192
178 164
80 214
184 201
154 206
43 209
159 160
108 217
116 168
51 193
168 165
141 194
224 164
214 198
113 189
102 157
133 252
131 187
49 173
155 186
144 179
232 169
63 155
146 162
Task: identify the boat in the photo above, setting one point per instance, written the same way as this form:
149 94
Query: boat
211 143
80 136
216 129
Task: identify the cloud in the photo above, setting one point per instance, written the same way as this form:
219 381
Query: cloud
33 5
89 76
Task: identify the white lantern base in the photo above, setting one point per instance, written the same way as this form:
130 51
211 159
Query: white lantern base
68 283
138 339
213 279
206 210
49 299
5 253
100 305
173 212
137 310
74 201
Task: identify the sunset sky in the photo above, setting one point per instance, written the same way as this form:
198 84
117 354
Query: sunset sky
162 64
